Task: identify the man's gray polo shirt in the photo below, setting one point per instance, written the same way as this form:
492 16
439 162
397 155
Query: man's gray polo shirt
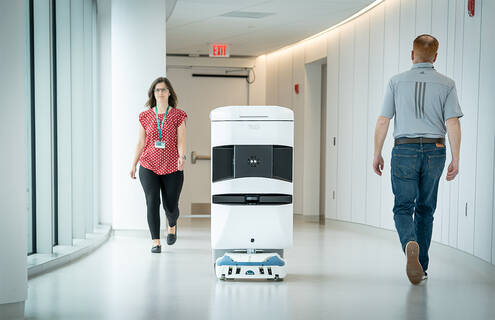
421 100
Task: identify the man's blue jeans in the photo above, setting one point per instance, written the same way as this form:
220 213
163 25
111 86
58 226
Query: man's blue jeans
415 172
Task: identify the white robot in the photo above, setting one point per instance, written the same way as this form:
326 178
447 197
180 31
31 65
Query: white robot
252 190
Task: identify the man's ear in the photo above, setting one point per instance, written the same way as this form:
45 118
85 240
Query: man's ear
435 57
412 55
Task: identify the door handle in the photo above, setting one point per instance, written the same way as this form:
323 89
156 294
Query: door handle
195 157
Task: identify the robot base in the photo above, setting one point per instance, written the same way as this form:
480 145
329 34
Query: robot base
264 266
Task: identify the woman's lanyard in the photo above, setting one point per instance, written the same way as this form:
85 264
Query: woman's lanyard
160 144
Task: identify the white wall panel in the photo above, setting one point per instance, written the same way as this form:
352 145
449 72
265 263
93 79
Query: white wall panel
467 174
87 119
271 79
448 215
486 137
450 9
360 117
64 123
390 68
486 129
457 48
373 181
257 90
43 127
284 81
344 138
298 105
439 30
78 128
332 122
104 114
424 16
407 35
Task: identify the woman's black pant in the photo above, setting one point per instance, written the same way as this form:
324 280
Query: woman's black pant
170 186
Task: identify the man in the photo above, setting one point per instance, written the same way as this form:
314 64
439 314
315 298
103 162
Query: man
425 105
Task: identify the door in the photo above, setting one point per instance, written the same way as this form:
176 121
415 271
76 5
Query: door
197 96
323 143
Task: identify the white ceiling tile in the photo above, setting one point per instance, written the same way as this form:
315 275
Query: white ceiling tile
195 23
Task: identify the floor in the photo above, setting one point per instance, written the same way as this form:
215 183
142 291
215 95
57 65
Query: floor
336 271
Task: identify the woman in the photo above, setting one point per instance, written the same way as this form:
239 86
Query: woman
160 151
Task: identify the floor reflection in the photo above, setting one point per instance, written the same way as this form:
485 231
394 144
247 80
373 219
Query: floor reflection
417 302
250 300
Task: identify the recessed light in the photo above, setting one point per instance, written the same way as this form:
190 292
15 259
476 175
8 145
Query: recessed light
247 14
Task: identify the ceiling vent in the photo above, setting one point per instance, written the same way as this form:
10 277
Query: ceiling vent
247 14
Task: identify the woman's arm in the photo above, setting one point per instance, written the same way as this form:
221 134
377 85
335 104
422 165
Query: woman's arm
181 144
139 150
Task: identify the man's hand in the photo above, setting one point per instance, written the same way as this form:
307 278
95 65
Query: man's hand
378 164
454 131
380 134
453 170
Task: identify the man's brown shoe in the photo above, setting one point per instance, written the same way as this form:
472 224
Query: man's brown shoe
414 270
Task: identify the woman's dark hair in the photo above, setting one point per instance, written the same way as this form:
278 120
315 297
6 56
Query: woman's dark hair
172 99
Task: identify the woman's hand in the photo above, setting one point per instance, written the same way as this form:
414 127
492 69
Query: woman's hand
180 163
181 145
139 151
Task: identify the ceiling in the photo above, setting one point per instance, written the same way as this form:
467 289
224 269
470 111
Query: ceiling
251 27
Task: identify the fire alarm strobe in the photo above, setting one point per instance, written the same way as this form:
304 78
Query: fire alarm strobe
471 7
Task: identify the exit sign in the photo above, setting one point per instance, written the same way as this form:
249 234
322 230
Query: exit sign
219 50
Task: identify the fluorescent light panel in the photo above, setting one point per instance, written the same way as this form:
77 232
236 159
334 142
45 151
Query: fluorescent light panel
247 14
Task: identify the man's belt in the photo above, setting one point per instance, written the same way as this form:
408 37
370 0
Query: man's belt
419 140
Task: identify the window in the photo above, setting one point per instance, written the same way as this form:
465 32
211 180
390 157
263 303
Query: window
60 55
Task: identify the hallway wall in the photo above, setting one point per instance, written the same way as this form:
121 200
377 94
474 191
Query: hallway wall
361 56
128 63
13 137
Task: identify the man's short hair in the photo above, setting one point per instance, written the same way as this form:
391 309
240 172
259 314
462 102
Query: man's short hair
425 47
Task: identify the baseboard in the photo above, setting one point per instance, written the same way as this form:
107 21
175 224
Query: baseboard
12 311
313 218
62 255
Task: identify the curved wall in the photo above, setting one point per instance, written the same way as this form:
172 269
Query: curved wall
361 56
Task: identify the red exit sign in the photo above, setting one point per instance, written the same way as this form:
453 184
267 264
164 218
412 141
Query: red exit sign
219 50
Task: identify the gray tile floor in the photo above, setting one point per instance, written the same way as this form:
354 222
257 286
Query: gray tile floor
336 271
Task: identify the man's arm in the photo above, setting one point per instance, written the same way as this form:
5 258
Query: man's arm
454 133
380 134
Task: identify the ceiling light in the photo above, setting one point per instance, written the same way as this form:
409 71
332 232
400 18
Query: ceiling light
247 14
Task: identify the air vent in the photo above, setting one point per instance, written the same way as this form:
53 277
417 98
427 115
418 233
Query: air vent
247 14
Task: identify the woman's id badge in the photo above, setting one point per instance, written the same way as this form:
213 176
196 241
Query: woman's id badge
160 144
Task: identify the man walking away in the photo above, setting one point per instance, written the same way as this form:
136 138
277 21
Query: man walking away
425 105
